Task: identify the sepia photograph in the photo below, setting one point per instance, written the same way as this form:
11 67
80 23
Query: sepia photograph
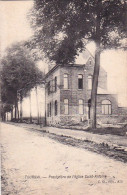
63 97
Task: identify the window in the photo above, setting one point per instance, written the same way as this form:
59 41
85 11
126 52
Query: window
55 83
80 81
106 107
66 106
81 107
55 107
65 81
89 82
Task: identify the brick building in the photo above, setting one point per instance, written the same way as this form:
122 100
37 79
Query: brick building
68 93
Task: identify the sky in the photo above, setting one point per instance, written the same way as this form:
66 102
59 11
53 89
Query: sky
15 27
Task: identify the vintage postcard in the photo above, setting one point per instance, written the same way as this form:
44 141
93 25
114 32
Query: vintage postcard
63 97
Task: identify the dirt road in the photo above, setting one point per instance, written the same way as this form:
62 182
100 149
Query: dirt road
33 164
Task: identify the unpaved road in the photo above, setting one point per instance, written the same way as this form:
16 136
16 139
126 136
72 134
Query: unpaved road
33 164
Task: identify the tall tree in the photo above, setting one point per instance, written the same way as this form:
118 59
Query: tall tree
62 28
7 99
19 75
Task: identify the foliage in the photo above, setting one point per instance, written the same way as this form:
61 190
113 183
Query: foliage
19 70
62 26
19 74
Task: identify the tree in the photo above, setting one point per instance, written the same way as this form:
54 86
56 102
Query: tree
19 75
5 109
7 100
63 28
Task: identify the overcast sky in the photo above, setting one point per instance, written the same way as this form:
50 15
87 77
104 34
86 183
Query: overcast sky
15 27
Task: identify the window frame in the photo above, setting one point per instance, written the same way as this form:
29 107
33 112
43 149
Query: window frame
56 107
65 81
55 82
106 108
80 80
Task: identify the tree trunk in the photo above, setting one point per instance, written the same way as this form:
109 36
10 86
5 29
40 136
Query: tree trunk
18 111
21 112
4 116
30 108
15 109
96 67
7 116
37 105
45 108
95 86
12 114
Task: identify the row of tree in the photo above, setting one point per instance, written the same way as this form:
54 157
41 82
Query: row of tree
19 75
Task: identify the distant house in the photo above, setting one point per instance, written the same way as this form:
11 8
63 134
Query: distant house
68 93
